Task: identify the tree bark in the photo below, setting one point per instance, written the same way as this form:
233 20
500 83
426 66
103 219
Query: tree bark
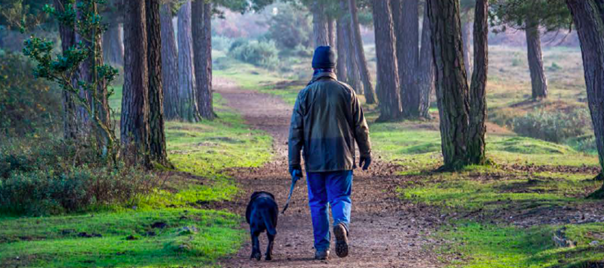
169 64
135 107
407 44
589 21
426 68
67 35
451 80
352 69
357 44
341 63
478 102
187 102
535 60
157 136
467 45
202 57
113 46
331 32
319 23
388 80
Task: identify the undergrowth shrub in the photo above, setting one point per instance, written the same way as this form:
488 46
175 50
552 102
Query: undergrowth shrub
259 53
553 126
26 103
41 176
221 43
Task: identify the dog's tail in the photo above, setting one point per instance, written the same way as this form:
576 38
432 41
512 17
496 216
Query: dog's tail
270 221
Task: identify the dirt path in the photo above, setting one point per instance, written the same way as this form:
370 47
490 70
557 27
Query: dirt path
385 232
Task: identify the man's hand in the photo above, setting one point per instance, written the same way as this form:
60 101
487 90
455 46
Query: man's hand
365 162
296 173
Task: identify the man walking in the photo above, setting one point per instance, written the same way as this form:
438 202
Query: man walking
326 122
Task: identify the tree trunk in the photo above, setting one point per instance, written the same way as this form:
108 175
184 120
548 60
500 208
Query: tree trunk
84 75
467 45
67 35
451 80
357 44
477 97
169 64
352 69
341 63
426 68
331 32
407 44
202 57
113 46
388 81
319 23
589 21
187 102
135 108
535 60
157 136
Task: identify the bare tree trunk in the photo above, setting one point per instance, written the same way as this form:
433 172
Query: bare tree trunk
451 80
135 108
113 46
157 136
84 74
466 36
341 64
169 64
352 69
535 59
478 102
331 32
187 102
407 43
202 56
426 68
388 81
357 44
589 21
319 22
67 35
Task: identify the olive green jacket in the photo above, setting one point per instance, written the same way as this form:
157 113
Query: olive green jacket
326 121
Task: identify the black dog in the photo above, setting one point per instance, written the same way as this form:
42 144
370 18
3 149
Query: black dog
261 214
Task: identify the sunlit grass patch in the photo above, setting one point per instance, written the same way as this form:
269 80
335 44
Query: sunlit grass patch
161 238
487 246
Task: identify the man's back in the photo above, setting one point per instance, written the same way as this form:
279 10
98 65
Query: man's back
326 121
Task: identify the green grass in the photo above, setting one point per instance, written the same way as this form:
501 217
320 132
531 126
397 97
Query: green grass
416 146
489 246
55 241
204 150
249 77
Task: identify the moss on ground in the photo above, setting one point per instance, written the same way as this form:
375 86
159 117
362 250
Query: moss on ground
200 152
157 238
479 245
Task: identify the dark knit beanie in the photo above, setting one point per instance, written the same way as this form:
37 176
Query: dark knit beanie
324 58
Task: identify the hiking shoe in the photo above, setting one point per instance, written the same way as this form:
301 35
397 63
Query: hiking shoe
321 255
341 240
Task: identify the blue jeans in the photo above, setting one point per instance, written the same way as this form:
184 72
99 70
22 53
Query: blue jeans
333 188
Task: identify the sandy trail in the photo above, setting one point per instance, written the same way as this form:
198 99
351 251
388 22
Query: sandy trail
385 232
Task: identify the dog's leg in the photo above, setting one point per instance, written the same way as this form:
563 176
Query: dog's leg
269 247
256 254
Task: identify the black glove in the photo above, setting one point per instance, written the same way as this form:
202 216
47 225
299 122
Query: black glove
365 162
296 173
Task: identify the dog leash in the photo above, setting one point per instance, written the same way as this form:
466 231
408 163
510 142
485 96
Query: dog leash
291 191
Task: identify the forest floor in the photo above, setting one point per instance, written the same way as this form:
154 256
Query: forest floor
528 210
385 232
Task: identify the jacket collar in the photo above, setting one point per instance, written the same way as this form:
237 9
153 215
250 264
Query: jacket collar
318 76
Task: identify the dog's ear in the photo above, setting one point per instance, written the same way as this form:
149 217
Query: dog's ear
255 195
